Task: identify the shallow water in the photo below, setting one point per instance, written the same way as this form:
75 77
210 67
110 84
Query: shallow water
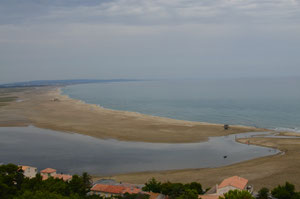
75 153
266 103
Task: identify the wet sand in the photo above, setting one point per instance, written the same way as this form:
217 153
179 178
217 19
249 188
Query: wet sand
45 107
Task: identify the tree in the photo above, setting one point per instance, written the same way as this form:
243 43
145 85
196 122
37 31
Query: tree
77 185
188 194
173 190
195 186
152 186
87 181
263 193
134 196
40 194
13 185
285 192
11 178
237 194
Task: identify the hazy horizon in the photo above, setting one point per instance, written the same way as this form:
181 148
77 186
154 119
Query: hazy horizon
148 39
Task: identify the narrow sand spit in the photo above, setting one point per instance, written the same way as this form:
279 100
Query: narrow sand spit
47 108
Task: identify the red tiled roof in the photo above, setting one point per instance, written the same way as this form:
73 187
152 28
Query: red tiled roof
44 177
23 167
234 181
132 190
48 170
208 196
63 177
114 189
153 195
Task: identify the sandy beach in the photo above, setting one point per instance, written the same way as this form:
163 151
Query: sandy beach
46 108
262 172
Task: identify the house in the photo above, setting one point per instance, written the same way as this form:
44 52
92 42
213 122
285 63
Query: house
108 190
28 171
132 190
156 196
231 183
208 196
64 177
48 172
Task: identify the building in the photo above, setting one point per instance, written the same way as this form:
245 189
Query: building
28 171
156 196
64 177
108 190
209 197
48 172
231 183
132 190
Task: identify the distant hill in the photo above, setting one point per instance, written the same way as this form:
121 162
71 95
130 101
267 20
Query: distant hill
39 83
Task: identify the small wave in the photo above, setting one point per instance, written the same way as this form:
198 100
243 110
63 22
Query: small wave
297 130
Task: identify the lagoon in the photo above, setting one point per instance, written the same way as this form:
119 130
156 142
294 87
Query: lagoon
75 153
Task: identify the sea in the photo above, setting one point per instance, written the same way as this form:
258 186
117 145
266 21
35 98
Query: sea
272 103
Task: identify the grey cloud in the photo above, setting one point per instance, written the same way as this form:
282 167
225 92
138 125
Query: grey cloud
56 39
149 11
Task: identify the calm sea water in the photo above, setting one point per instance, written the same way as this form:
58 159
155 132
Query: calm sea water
267 103
75 153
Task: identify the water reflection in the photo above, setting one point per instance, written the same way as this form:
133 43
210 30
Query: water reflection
75 153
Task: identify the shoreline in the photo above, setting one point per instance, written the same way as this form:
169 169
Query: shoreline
49 108
59 89
36 106
268 171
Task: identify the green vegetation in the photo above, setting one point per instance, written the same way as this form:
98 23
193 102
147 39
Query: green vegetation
13 185
174 190
263 193
286 191
236 194
133 196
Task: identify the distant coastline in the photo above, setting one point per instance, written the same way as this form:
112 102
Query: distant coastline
44 83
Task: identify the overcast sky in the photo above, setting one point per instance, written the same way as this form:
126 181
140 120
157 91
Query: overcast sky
65 39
